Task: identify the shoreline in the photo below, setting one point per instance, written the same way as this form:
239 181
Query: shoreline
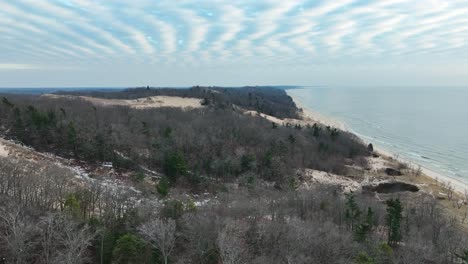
458 185
312 115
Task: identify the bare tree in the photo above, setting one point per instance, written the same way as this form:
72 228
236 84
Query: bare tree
200 229
15 235
231 243
161 235
64 241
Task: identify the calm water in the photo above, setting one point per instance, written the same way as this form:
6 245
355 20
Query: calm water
426 125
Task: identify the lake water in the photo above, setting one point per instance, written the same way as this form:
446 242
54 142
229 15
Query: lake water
426 125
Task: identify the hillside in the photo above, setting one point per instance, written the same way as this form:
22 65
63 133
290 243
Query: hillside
205 175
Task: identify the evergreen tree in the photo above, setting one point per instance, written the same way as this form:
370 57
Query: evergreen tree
71 137
247 162
101 147
175 166
138 177
363 229
163 186
393 220
334 133
145 129
364 258
18 125
352 212
127 250
316 130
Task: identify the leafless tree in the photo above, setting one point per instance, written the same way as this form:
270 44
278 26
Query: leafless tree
200 229
160 234
15 235
64 241
231 242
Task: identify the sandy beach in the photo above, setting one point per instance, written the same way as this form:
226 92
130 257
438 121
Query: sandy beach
313 116
308 114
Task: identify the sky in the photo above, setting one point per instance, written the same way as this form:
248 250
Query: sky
126 43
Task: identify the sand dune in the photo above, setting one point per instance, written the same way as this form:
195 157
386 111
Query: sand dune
308 118
147 102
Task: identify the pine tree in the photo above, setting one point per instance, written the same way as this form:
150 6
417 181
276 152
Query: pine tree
127 250
163 186
393 220
145 130
363 229
175 166
71 137
316 130
352 212
18 125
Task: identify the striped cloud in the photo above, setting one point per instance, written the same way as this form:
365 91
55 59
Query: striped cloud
38 32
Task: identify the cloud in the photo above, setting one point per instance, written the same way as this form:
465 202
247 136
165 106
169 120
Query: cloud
205 31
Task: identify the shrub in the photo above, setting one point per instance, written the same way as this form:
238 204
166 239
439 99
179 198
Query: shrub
163 186
127 249
139 176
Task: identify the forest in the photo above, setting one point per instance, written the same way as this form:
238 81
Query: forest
48 216
268 100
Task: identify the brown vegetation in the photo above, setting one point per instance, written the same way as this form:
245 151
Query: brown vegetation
229 193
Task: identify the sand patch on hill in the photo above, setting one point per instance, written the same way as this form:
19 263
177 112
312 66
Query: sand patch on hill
141 103
311 177
307 118
3 149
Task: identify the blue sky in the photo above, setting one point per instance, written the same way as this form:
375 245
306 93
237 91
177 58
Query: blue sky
228 42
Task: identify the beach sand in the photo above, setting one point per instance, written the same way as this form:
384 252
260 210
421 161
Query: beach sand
313 116
458 186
